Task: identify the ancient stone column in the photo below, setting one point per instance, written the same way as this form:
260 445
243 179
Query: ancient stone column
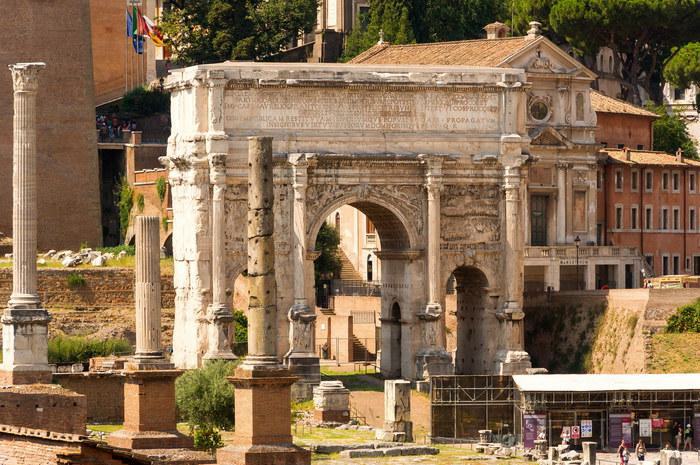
25 323
561 203
147 288
262 288
219 314
263 386
301 357
398 426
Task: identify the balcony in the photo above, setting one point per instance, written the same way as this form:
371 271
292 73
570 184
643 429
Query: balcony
569 251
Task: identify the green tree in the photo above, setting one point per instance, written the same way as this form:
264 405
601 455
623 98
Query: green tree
683 68
641 34
461 19
521 12
125 202
671 133
685 320
327 243
207 31
204 400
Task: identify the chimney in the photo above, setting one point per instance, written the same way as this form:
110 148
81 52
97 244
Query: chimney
679 155
628 155
535 30
496 30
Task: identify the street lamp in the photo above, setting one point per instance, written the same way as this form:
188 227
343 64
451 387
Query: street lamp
577 241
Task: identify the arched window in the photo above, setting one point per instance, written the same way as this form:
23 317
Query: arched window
610 64
369 268
337 221
580 113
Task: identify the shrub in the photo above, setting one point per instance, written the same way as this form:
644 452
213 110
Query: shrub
140 202
240 321
205 401
160 188
75 280
685 320
164 222
129 249
125 204
78 349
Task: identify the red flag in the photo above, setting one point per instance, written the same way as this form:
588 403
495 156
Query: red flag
142 26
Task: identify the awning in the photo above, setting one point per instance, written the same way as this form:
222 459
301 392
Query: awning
605 382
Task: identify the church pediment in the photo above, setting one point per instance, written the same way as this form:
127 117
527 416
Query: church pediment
544 57
549 137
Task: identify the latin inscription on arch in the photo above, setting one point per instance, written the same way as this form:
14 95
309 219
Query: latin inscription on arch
359 109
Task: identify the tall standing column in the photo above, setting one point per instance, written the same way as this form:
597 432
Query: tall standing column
301 357
263 386
432 358
147 288
219 314
561 203
25 323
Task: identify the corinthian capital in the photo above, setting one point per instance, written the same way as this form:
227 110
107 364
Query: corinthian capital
25 76
217 168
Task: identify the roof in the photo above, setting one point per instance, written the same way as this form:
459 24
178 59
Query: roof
647 157
604 104
480 52
602 383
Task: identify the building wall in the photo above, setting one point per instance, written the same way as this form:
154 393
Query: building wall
104 393
23 450
616 130
57 33
653 240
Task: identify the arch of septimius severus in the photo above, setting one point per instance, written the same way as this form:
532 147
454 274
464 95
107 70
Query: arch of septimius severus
436 157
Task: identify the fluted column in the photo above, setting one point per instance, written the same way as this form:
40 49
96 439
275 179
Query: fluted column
262 288
24 212
25 323
219 314
147 297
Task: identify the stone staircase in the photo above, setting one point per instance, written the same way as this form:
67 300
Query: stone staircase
360 353
347 270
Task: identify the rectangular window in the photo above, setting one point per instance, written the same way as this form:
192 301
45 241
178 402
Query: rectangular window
676 264
618 217
633 218
620 146
634 180
648 222
676 182
664 219
664 265
640 146
691 182
649 181
691 219
650 261
369 227
599 179
664 181
618 180
678 94
676 219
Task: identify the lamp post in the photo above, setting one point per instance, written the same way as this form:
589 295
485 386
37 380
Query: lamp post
577 241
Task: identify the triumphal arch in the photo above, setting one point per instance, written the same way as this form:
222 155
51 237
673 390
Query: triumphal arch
434 156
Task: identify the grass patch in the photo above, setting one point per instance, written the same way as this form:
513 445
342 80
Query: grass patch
313 435
78 349
75 280
674 353
105 428
355 381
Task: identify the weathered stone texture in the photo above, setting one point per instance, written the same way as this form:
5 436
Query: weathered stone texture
67 164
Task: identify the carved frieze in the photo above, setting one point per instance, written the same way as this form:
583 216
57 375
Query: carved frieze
470 213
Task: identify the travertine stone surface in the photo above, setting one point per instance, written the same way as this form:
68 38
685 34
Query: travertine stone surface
147 288
25 323
262 288
397 411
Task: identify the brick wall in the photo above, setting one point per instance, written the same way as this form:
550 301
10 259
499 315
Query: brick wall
44 407
104 287
104 393
22 450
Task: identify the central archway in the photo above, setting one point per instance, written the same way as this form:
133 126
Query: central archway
373 316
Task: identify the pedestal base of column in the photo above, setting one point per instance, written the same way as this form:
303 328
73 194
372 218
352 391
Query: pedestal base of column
220 330
307 368
512 362
146 364
433 362
263 420
25 343
149 412
17 377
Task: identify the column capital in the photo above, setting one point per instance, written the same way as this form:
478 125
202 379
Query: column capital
217 168
25 76
562 165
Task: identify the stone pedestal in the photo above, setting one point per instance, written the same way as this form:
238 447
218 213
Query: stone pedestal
589 452
331 402
263 420
150 420
398 426
301 359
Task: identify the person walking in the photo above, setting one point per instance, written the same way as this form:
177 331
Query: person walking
641 450
679 436
688 435
623 454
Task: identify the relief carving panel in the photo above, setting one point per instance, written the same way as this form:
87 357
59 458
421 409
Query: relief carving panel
470 214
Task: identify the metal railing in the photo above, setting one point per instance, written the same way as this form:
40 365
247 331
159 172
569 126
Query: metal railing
356 287
569 251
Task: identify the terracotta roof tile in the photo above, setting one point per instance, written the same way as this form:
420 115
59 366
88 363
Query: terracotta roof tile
480 52
647 157
604 104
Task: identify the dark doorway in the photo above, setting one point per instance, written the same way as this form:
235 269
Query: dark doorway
111 174
538 220
395 341
472 303
696 265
